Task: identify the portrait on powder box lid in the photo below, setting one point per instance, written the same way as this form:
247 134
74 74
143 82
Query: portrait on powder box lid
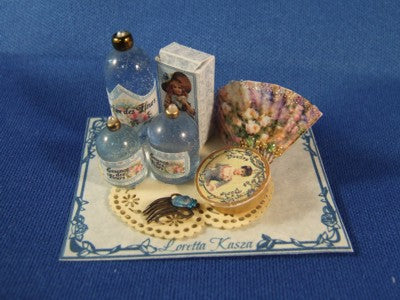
220 174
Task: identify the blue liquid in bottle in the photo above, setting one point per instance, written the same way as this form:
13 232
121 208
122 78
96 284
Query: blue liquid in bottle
173 146
121 156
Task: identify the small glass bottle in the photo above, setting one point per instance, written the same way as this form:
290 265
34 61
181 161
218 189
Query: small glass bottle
173 146
120 153
130 83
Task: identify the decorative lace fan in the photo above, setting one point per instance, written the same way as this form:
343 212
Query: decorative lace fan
264 116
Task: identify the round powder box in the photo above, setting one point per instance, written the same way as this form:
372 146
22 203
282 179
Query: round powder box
233 180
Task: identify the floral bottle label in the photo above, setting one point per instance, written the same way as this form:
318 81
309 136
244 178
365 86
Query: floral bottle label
125 172
169 165
130 108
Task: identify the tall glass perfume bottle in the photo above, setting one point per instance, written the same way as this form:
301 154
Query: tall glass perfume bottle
131 86
121 156
173 146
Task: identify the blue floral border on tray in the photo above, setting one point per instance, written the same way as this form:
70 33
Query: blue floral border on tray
74 239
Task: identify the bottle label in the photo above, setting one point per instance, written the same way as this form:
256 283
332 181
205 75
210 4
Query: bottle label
130 108
169 165
124 172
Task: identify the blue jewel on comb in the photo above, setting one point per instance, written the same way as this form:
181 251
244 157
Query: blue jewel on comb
177 205
183 201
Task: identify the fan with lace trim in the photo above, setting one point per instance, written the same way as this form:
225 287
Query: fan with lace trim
264 116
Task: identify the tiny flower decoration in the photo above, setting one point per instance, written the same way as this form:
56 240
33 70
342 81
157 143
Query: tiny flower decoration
236 139
175 168
264 138
134 115
143 117
138 167
254 114
226 108
250 114
179 169
130 173
252 127
236 121
264 120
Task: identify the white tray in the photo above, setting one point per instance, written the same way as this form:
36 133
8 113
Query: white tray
301 218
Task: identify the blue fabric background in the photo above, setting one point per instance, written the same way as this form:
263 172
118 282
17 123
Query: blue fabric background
342 55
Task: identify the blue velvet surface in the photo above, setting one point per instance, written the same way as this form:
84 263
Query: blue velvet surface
342 55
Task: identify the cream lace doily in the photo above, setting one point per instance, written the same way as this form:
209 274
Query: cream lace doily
129 207
220 220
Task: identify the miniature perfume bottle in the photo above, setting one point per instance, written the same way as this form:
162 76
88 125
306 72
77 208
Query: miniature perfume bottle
173 146
131 86
120 153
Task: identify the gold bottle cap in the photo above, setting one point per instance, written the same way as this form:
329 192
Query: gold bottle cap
113 123
172 111
122 40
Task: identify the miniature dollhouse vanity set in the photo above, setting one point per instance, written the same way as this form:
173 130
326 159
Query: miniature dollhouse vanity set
179 171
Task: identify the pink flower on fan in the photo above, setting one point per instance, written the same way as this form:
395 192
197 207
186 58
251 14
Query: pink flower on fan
299 100
254 114
252 127
223 93
276 109
289 126
279 135
255 97
298 111
284 115
244 104
236 121
264 138
250 114
294 130
264 108
236 139
247 114
226 108
264 120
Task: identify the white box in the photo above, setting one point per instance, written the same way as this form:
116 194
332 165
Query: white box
186 78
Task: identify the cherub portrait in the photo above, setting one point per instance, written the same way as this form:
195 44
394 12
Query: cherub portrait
221 174
177 90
